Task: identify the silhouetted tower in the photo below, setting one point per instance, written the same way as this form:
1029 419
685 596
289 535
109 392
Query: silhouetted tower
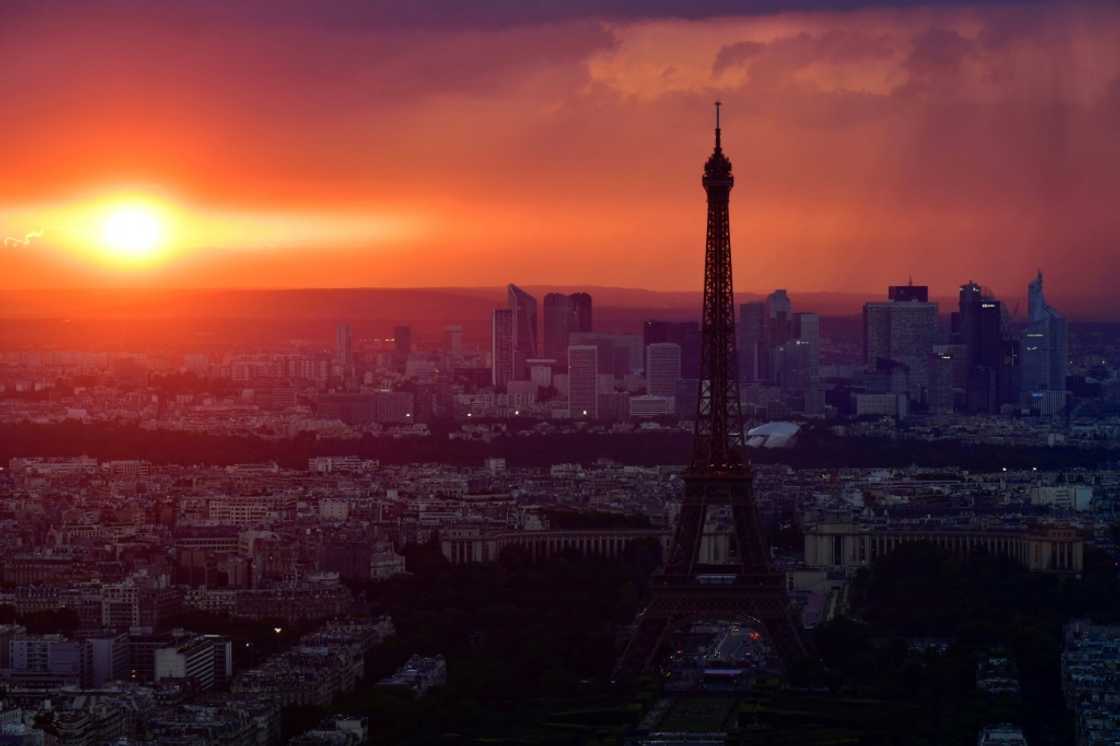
690 587
718 434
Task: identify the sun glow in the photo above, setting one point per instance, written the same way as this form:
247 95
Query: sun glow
146 231
132 232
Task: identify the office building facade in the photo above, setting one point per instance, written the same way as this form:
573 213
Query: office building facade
583 381
663 369
901 333
501 347
523 308
563 316
1044 350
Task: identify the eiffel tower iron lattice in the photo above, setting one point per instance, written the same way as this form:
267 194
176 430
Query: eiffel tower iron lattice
719 476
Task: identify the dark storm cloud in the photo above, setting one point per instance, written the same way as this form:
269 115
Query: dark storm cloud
776 60
736 54
444 14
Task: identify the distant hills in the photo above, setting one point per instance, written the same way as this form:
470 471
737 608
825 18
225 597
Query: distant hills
419 304
135 318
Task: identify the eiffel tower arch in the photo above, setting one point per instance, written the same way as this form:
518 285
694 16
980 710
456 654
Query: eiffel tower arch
687 589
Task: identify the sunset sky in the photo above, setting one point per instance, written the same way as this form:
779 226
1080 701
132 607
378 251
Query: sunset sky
345 143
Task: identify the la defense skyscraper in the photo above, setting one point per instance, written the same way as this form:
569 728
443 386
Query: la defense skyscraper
524 309
688 588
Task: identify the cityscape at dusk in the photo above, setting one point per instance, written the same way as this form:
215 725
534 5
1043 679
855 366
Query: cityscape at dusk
647 374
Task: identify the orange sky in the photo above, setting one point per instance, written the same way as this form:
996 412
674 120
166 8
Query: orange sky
950 143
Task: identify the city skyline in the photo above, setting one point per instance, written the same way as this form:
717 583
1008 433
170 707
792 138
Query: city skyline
299 457
371 169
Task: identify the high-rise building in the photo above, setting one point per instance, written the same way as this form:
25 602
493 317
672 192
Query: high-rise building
453 339
751 350
793 365
563 316
978 327
1044 349
402 341
663 369
619 354
556 329
967 322
343 347
583 381
763 329
901 333
807 331
524 309
683 333
501 346
941 371
777 327
541 371
580 312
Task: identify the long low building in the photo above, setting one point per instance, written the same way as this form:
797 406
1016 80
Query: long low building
1038 548
472 544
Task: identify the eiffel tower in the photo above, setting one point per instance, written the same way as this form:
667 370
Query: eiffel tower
719 476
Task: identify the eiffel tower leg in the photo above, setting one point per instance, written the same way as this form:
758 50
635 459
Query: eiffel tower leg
641 650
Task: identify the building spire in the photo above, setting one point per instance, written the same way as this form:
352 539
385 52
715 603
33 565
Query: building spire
718 104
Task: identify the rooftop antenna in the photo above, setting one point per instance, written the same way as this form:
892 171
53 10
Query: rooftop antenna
718 104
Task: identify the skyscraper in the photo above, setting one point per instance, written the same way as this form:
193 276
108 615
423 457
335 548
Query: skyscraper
556 329
968 321
343 347
619 354
1045 347
807 330
779 312
583 381
751 350
940 396
901 332
580 312
501 346
402 340
793 365
978 327
763 328
683 333
564 315
453 339
524 309
663 369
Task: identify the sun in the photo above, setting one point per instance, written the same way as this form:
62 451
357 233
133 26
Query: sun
132 232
